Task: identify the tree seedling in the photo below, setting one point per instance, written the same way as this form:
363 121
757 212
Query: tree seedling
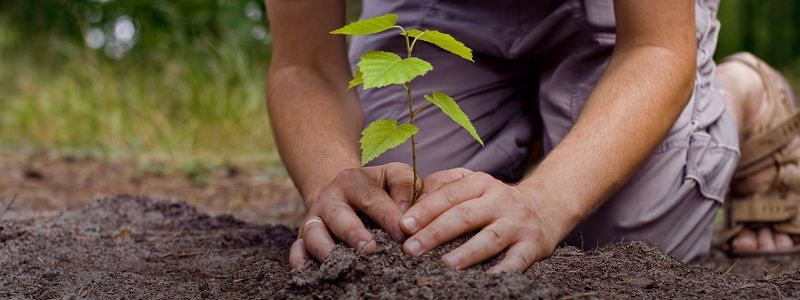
377 69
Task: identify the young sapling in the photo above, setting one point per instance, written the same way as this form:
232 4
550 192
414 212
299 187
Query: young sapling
377 69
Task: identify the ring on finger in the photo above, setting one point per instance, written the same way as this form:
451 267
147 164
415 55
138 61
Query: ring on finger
303 229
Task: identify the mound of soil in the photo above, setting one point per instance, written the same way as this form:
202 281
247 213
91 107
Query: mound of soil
136 247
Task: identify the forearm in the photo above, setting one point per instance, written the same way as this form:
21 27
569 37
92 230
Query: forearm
315 119
634 105
316 124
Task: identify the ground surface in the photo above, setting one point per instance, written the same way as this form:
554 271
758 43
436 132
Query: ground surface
137 247
43 183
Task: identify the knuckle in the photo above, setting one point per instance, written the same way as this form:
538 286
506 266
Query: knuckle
370 199
462 171
435 233
397 165
347 175
449 196
527 214
483 176
464 215
421 212
386 219
495 236
333 210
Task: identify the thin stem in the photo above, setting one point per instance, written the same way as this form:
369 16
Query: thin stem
413 145
411 113
424 105
408 42
411 48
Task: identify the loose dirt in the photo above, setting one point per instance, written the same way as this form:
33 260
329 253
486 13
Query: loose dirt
55 242
137 247
48 183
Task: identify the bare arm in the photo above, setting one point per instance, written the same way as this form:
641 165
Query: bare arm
647 84
316 120
642 92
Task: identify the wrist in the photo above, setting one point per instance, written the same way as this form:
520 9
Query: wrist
312 187
562 212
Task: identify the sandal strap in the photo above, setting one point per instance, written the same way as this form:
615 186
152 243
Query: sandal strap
763 209
770 141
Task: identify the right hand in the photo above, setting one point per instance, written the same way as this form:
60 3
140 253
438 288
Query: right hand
382 193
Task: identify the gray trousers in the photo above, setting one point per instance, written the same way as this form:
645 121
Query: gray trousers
536 62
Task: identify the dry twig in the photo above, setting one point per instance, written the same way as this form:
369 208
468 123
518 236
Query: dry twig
8 206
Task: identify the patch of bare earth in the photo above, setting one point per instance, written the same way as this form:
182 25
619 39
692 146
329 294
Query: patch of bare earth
55 242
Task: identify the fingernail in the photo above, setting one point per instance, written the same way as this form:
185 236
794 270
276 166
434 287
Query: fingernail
410 224
451 262
413 247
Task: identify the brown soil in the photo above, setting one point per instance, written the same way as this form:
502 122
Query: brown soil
135 247
46 183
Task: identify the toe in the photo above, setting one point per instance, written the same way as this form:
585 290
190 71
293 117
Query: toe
783 242
766 241
745 241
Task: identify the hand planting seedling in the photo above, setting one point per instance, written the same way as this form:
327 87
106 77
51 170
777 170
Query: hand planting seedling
377 69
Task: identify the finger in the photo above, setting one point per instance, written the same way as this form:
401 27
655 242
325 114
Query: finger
317 240
518 258
298 254
447 196
344 224
437 180
373 201
400 179
485 244
454 222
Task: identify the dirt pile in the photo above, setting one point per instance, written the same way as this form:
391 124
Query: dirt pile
135 247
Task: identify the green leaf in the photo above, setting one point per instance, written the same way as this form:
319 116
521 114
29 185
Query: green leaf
444 41
450 108
383 135
357 79
379 69
368 26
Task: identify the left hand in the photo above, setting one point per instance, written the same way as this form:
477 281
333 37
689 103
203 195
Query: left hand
458 201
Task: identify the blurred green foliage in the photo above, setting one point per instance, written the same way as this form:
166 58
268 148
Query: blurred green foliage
173 79
184 79
769 29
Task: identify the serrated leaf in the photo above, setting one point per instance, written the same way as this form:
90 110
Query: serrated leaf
450 108
357 79
368 26
382 135
444 41
380 68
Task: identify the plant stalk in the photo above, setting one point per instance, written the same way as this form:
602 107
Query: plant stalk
413 146
411 113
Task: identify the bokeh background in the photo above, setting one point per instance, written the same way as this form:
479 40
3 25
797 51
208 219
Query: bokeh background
185 79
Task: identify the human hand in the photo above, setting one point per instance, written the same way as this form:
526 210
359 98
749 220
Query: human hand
382 193
458 201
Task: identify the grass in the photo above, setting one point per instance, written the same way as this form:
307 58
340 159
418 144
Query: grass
198 104
201 103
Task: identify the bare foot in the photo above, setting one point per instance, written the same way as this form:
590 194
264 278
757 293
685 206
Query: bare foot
765 240
747 98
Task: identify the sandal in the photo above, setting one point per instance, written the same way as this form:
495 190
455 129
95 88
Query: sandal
776 142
